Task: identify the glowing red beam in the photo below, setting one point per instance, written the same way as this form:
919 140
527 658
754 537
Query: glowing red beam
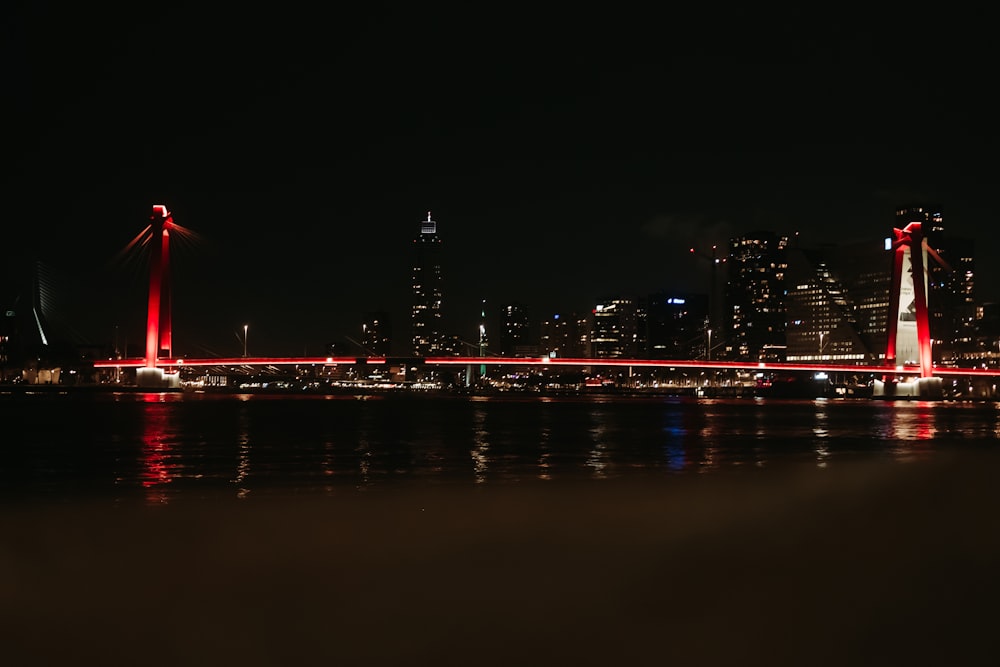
238 361
522 361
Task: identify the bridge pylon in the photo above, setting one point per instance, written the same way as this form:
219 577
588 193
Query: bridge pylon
158 324
909 340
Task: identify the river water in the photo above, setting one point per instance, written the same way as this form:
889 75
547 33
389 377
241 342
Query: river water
203 529
159 446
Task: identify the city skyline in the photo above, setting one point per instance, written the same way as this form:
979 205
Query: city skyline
566 158
438 334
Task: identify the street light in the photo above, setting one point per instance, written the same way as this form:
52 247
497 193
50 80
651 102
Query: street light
246 327
708 352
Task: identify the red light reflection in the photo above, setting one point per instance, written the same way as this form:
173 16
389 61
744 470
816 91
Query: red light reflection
156 468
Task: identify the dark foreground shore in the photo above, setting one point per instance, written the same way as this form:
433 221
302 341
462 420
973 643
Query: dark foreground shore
873 564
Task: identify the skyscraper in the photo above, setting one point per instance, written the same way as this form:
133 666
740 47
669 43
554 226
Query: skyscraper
376 334
564 336
823 321
865 268
513 329
676 326
426 284
756 296
615 328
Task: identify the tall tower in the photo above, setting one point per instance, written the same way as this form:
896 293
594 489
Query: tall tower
24 325
909 341
950 282
756 296
158 326
426 283
615 329
677 326
376 334
513 329
158 329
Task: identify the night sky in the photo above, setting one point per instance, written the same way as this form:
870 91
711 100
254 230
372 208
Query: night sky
565 156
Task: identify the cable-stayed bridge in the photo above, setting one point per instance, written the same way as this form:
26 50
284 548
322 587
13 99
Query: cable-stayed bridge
908 338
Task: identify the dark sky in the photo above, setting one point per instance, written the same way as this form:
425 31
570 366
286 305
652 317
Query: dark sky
566 156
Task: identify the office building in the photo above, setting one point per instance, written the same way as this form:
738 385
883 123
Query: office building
755 297
376 334
615 328
427 336
514 330
824 323
677 327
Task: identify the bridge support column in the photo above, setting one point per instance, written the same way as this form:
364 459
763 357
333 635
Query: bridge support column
909 340
159 296
156 378
923 389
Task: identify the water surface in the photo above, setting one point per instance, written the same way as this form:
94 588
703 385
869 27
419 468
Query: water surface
169 444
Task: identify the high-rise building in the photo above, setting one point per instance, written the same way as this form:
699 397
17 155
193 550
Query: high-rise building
427 337
615 328
865 269
755 296
376 334
30 325
822 319
564 336
513 329
676 326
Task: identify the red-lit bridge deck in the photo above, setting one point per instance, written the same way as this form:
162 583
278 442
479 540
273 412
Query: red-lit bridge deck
545 362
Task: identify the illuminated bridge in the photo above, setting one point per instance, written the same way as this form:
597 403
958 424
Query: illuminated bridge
547 362
908 335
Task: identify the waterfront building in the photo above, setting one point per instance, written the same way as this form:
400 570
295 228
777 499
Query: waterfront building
865 270
822 320
514 329
755 297
376 334
34 331
676 327
615 328
564 336
426 291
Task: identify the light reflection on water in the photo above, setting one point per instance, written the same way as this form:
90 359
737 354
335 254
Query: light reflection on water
597 459
163 445
544 437
242 452
480 445
158 464
821 433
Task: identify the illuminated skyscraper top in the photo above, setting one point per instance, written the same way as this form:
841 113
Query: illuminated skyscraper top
428 226
426 311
